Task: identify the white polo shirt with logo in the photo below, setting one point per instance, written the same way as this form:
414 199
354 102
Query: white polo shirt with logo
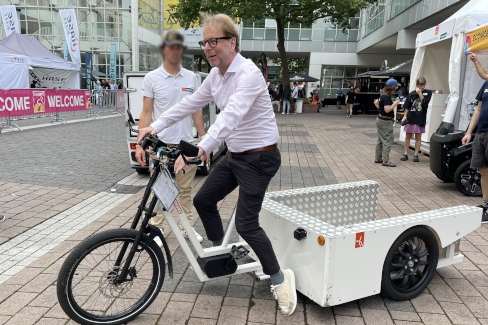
168 90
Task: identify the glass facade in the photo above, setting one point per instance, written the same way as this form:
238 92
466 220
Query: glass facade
334 33
332 77
375 16
100 24
265 29
398 6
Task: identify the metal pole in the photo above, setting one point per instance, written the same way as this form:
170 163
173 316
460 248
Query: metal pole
135 39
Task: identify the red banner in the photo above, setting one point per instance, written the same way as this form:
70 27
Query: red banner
21 102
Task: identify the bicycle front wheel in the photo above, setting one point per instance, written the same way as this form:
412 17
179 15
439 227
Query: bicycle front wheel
86 288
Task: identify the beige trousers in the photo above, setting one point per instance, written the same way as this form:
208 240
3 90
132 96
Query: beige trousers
183 182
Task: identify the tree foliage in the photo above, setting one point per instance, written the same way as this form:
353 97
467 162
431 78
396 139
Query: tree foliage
283 11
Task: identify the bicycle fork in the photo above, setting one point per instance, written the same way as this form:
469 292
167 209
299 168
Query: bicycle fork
125 269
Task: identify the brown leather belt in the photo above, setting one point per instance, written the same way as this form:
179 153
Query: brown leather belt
388 117
268 148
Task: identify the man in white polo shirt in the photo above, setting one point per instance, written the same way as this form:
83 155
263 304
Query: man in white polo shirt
162 89
248 126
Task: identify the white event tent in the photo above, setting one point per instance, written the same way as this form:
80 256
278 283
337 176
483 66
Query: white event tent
18 52
440 58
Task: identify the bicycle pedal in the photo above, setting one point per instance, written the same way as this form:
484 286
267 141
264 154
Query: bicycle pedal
239 252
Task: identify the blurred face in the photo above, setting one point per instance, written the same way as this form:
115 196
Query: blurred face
172 53
222 54
421 87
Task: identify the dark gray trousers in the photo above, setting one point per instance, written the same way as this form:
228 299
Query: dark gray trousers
252 173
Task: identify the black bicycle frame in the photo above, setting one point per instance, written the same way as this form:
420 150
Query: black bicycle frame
149 211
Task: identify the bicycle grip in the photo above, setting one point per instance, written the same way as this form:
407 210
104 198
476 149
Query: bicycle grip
188 149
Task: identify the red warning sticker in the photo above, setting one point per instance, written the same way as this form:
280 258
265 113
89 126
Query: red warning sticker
178 207
359 239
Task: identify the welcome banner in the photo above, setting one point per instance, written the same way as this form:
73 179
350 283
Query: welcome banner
21 102
477 40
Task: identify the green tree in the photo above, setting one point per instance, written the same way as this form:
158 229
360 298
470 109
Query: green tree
283 11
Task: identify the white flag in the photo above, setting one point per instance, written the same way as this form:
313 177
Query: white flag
68 18
9 18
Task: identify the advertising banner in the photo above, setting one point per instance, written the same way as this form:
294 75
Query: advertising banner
70 25
120 99
21 102
65 50
113 62
53 78
477 40
10 20
89 69
436 33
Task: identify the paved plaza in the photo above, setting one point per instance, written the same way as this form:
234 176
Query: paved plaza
56 188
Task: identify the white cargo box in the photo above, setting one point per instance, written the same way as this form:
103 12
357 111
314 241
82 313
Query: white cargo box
349 264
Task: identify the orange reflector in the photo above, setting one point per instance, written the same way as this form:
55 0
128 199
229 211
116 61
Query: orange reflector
133 146
321 241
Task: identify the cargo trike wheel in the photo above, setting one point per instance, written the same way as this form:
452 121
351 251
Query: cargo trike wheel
410 264
468 180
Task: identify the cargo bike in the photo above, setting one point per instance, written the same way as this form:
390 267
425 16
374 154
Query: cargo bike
328 235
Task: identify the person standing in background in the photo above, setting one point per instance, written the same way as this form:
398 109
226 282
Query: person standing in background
162 89
98 94
384 123
119 84
276 100
294 95
339 97
286 100
350 97
415 117
264 63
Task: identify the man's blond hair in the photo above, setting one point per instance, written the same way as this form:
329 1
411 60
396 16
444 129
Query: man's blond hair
223 21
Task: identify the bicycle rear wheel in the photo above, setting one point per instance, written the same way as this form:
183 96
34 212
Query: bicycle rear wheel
86 290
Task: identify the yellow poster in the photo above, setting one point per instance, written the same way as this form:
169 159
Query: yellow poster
169 21
477 40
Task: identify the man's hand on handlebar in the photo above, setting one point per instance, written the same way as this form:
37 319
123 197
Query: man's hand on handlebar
141 156
143 132
180 163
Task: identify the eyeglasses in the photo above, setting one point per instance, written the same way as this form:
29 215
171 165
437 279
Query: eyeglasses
212 41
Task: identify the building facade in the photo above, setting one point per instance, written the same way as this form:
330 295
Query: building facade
137 33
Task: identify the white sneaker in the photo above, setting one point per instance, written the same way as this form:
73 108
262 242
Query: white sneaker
185 234
286 293
282 113
158 240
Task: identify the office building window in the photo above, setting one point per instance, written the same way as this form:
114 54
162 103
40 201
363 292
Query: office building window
335 33
265 29
398 6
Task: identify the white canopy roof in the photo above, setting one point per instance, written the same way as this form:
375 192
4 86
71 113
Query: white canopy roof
24 49
470 16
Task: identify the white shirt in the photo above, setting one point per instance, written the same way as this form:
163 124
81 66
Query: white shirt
168 90
246 120
294 93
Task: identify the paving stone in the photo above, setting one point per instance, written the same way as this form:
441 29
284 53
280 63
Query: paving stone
239 291
405 315
434 319
458 313
427 304
372 302
347 320
145 319
159 304
317 315
207 307
376 317
240 302
176 312
201 321
27 316
16 302
442 292
232 315
477 305
189 287
216 287
262 311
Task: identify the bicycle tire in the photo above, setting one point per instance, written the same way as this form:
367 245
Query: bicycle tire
76 257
